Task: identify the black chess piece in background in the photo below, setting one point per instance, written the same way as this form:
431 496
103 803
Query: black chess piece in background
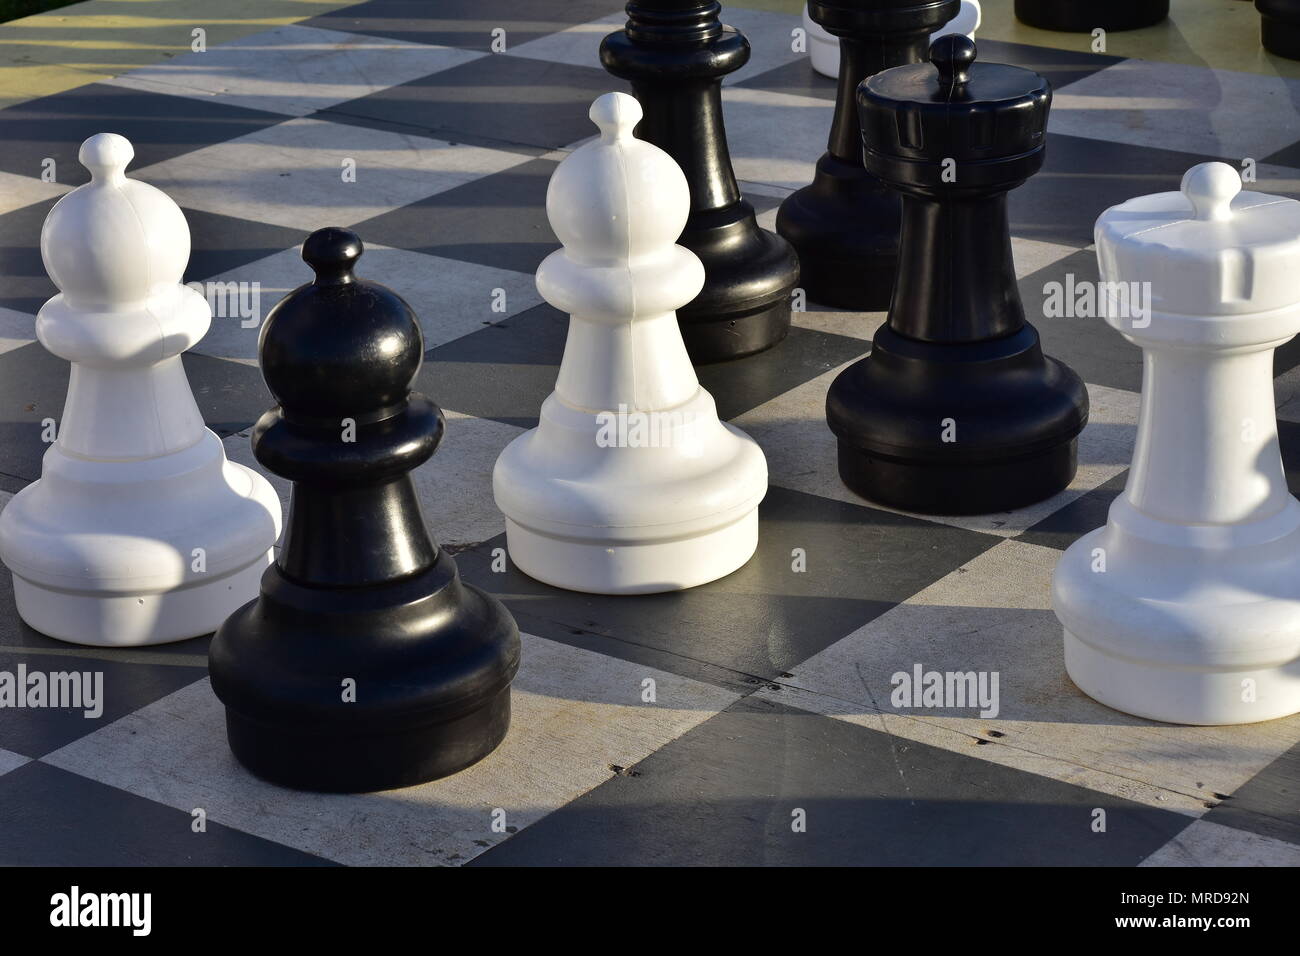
675 54
1280 27
844 225
365 663
1084 16
956 410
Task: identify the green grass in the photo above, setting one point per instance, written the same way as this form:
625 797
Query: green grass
13 9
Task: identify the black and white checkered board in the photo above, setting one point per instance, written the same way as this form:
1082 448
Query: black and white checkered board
771 687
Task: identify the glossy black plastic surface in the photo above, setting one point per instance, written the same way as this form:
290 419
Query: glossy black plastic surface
956 410
675 54
1084 16
1280 27
844 225
361 603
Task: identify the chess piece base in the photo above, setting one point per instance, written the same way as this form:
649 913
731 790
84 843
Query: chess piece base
432 660
957 428
370 762
136 618
1279 36
1173 627
629 566
744 307
971 489
631 520
104 553
844 227
1084 16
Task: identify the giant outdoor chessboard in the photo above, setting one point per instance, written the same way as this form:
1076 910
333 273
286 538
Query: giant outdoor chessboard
746 721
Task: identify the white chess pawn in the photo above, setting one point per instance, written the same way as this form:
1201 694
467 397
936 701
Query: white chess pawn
824 46
139 530
629 483
1186 606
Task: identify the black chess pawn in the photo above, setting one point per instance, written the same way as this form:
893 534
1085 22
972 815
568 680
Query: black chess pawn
1084 16
956 410
675 54
844 225
1280 27
365 663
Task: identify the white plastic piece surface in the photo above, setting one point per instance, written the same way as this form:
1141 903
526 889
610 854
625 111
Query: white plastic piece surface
139 530
1185 607
824 47
630 483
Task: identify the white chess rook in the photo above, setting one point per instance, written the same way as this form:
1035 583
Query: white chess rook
1186 606
630 483
139 530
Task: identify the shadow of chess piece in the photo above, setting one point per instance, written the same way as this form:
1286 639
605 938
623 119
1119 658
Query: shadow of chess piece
1084 16
366 663
956 410
1279 27
844 225
675 54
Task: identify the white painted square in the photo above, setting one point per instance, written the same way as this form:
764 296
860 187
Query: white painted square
16 330
775 139
575 714
1031 255
19 191
294 70
577 46
451 298
1209 844
11 761
293 174
802 451
994 614
1192 109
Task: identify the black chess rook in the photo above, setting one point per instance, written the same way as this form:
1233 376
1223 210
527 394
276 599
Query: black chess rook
366 663
675 54
956 410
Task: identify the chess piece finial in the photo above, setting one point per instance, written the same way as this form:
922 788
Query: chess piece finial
630 483
139 530
1211 188
953 55
1185 607
359 591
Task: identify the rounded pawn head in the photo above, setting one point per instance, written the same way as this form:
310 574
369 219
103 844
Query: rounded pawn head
617 197
114 241
340 346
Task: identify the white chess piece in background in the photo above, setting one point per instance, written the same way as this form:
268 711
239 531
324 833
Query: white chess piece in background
139 531
1185 607
630 483
824 47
